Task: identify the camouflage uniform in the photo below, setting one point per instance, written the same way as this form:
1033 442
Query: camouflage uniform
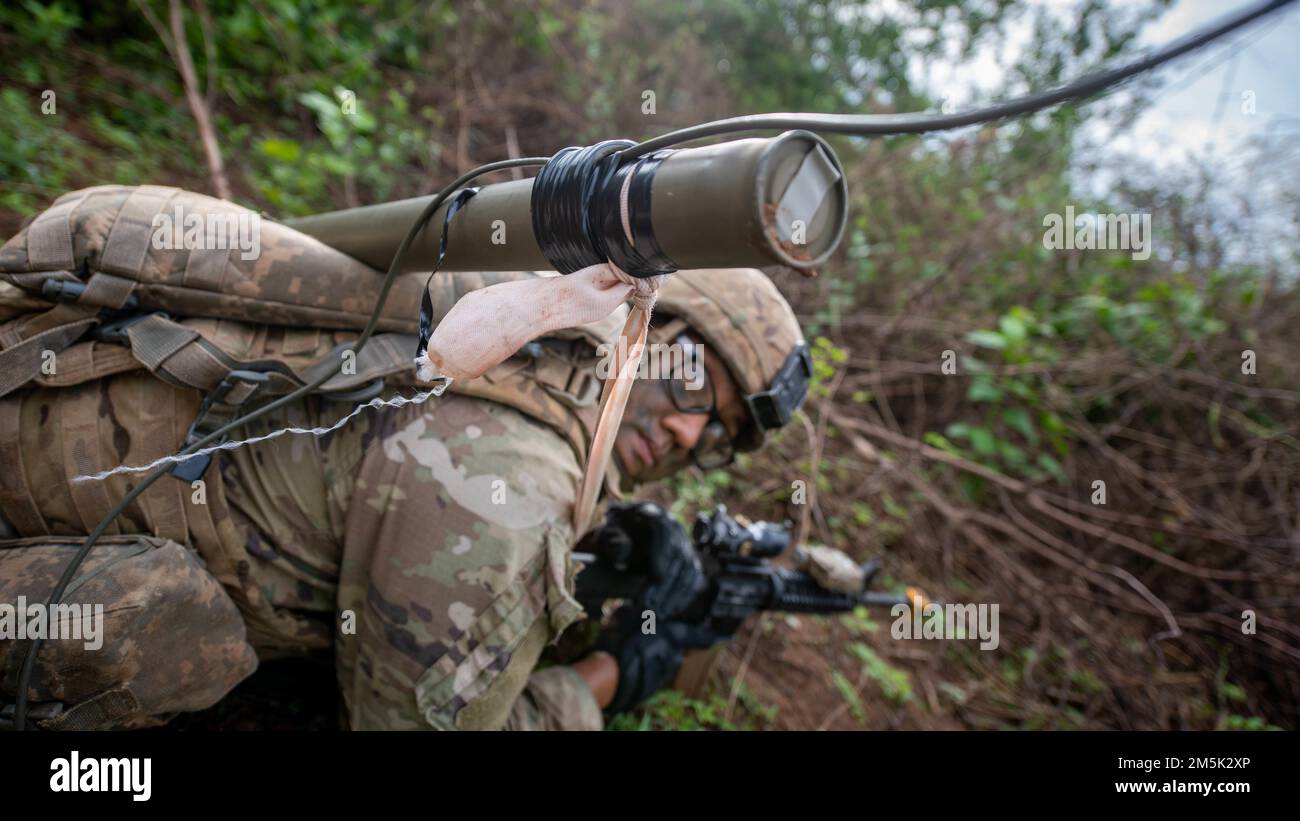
428 545
444 529
156 600
451 595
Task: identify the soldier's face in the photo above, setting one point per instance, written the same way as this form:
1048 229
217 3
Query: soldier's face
655 439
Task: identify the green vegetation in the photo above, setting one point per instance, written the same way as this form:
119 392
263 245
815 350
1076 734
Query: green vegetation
1070 367
670 710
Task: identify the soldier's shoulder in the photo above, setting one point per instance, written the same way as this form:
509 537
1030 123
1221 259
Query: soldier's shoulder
492 463
479 430
486 497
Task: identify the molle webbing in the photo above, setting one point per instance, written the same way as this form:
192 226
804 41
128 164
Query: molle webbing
84 281
194 316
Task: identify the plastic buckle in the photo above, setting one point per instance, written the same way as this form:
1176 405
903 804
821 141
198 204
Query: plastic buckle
585 395
70 290
358 395
116 331
773 408
192 468
62 290
36 713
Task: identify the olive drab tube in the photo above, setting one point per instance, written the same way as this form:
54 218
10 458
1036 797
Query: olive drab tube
744 203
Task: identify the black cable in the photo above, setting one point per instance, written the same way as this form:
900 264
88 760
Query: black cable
864 125
856 124
426 300
29 663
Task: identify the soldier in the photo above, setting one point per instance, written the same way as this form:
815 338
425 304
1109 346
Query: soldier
444 528
427 545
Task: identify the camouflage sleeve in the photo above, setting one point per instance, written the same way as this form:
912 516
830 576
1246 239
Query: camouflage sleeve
556 698
456 566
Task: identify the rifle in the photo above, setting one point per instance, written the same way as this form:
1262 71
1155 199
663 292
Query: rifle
741 579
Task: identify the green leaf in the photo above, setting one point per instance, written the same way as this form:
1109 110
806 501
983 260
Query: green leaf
894 683
1053 467
894 508
1232 692
982 440
849 694
1013 329
982 389
972 487
1018 420
280 150
987 339
958 430
322 104
1052 422
1012 455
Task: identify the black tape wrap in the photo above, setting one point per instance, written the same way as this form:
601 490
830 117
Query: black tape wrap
577 210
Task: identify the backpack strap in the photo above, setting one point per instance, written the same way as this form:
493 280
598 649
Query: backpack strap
82 456
15 495
49 237
27 338
129 239
182 356
52 330
219 408
384 355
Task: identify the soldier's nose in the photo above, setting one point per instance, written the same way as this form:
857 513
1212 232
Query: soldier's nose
685 428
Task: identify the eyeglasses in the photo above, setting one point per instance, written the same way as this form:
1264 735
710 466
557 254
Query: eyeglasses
714 449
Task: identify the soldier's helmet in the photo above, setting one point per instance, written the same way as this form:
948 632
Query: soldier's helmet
749 325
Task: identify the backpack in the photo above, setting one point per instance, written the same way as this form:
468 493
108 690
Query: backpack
115 279
102 286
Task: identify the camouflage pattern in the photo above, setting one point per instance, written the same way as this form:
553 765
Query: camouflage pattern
50 436
742 317
289 575
294 280
442 528
227 310
427 545
436 538
158 603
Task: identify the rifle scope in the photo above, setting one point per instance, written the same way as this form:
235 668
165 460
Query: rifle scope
752 202
728 537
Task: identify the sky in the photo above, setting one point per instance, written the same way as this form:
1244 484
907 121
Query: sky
1201 105
1211 103
1204 107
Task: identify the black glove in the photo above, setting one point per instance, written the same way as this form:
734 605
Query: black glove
641 538
647 661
